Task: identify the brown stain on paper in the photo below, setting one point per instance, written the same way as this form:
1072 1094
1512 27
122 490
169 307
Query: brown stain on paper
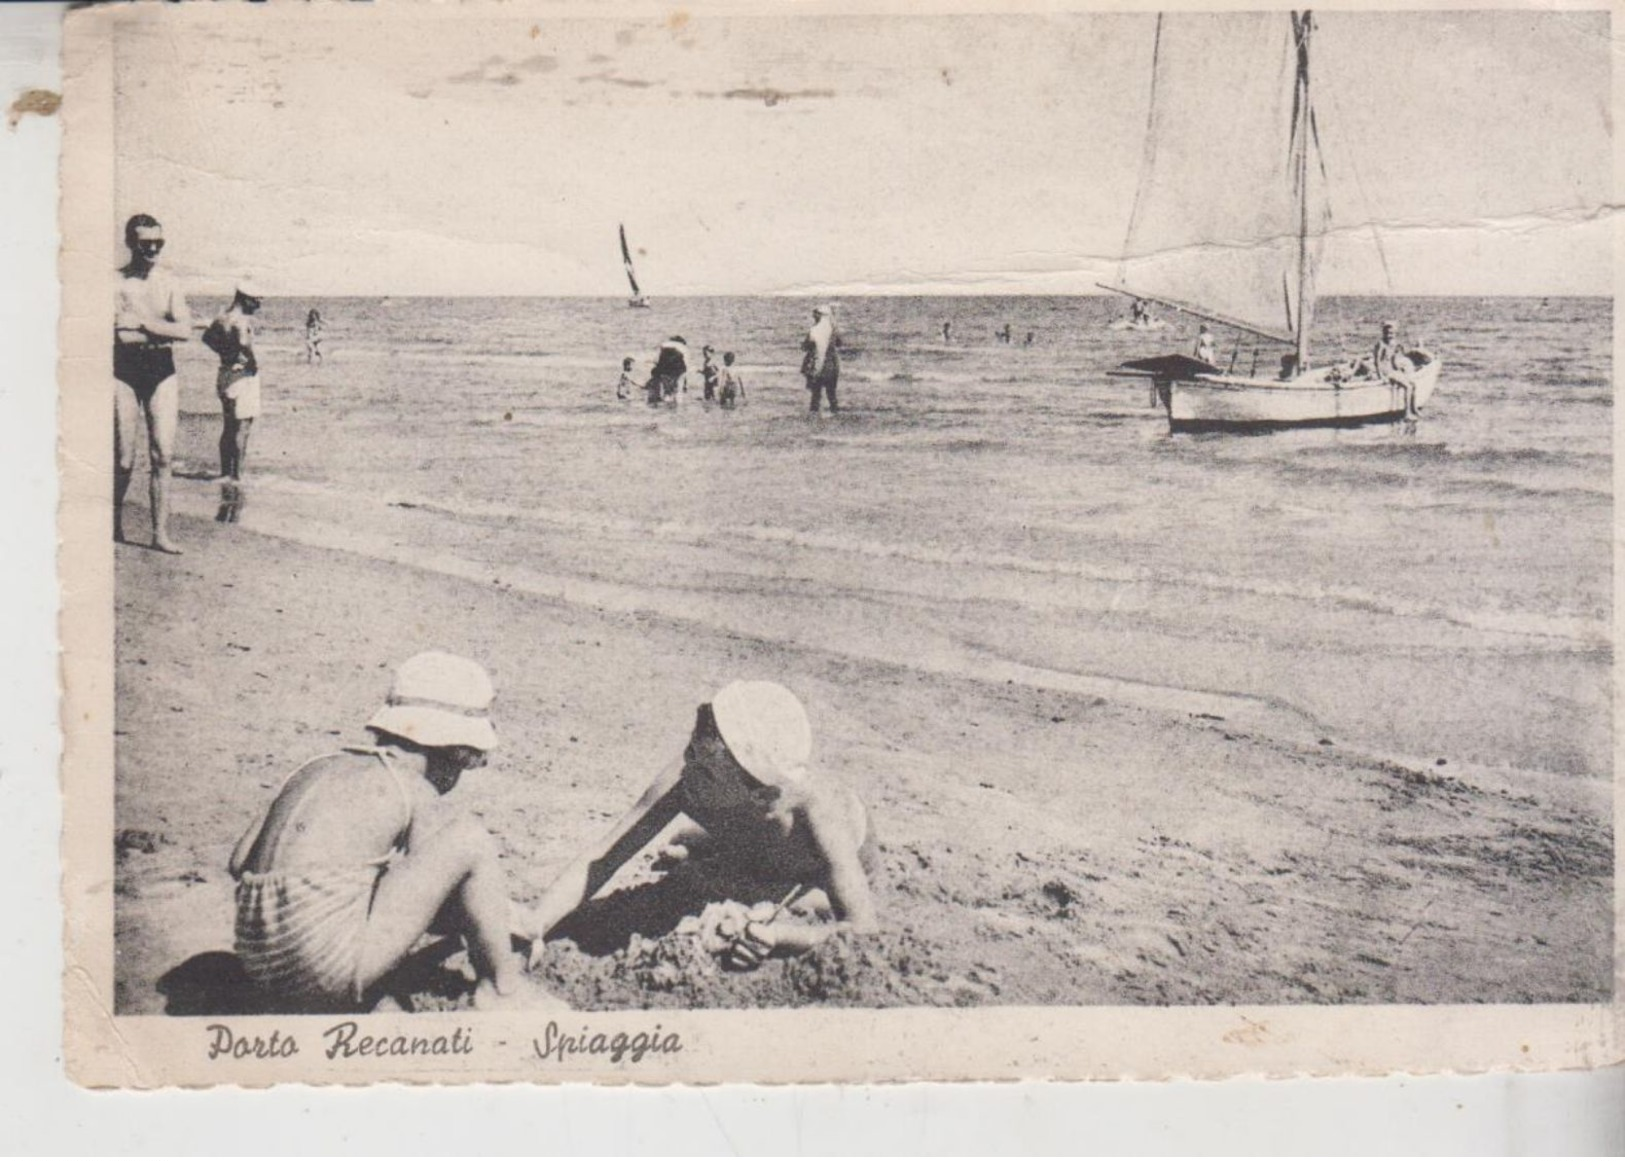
41 101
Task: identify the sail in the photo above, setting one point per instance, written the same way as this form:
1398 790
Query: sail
626 257
1230 143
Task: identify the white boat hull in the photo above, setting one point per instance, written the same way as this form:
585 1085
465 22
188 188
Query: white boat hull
1221 402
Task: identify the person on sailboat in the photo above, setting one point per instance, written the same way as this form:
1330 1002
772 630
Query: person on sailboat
820 365
1390 362
1207 348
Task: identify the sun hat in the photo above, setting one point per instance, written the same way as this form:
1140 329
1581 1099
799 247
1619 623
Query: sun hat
765 728
439 700
248 288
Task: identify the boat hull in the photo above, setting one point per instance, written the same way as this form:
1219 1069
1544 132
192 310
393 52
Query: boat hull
1230 403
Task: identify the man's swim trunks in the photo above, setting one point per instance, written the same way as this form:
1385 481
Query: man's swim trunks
143 367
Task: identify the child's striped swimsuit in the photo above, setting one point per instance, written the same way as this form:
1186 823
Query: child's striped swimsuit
300 929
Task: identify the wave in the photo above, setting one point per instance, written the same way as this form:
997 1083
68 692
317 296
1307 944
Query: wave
1587 632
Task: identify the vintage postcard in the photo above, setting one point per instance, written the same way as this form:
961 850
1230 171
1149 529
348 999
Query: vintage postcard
837 543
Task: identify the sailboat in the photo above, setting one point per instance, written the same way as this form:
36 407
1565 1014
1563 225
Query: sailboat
638 299
1228 226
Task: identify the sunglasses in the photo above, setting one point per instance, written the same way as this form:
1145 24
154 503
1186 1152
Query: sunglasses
150 243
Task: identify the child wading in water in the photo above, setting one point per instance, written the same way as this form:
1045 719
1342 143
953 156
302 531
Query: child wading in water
744 781
356 857
627 384
732 392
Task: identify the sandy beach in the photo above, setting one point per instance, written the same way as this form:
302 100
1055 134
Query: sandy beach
1039 847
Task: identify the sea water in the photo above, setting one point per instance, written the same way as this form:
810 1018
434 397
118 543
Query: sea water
1005 512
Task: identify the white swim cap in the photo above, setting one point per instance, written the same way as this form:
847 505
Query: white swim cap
766 730
439 700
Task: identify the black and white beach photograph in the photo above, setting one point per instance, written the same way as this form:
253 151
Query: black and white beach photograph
1040 510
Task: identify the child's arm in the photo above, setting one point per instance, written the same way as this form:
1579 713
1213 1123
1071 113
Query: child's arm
583 878
245 845
849 895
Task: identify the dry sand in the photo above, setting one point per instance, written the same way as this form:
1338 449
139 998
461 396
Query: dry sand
1038 847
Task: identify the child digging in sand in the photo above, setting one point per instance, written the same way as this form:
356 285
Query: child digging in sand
356 857
744 781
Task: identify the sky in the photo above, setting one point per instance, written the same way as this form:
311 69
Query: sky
401 150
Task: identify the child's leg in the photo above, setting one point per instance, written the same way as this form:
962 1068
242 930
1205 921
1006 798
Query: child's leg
459 861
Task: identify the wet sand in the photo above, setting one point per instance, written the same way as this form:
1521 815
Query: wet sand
1092 846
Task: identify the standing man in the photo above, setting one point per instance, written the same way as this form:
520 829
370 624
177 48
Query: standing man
820 364
231 336
151 317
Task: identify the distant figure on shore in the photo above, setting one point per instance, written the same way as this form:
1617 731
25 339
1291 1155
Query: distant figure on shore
1140 313
357 857
670 374
732 391
1207 348
313 336
947 331
1028 341
760 814
231 336
708 373
628 382
820 362
150 318
1004 334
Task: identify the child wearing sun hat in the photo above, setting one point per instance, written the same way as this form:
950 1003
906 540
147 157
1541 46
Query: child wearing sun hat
355 856
745 780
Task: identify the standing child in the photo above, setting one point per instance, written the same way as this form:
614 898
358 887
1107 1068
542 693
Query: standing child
758 809
708 372
356 857
627 384
313 336
732 391
231 336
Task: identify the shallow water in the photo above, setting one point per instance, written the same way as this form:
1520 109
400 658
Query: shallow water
1007 512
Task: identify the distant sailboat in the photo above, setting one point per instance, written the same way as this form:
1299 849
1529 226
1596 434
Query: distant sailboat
638 299
1228 224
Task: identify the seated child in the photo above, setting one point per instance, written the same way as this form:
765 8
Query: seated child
356 857
628 383
733 384
744 781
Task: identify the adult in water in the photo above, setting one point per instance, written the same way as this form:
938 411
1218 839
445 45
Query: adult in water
820 364
150 318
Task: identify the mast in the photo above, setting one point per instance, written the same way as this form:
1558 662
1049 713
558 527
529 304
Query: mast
1302 23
